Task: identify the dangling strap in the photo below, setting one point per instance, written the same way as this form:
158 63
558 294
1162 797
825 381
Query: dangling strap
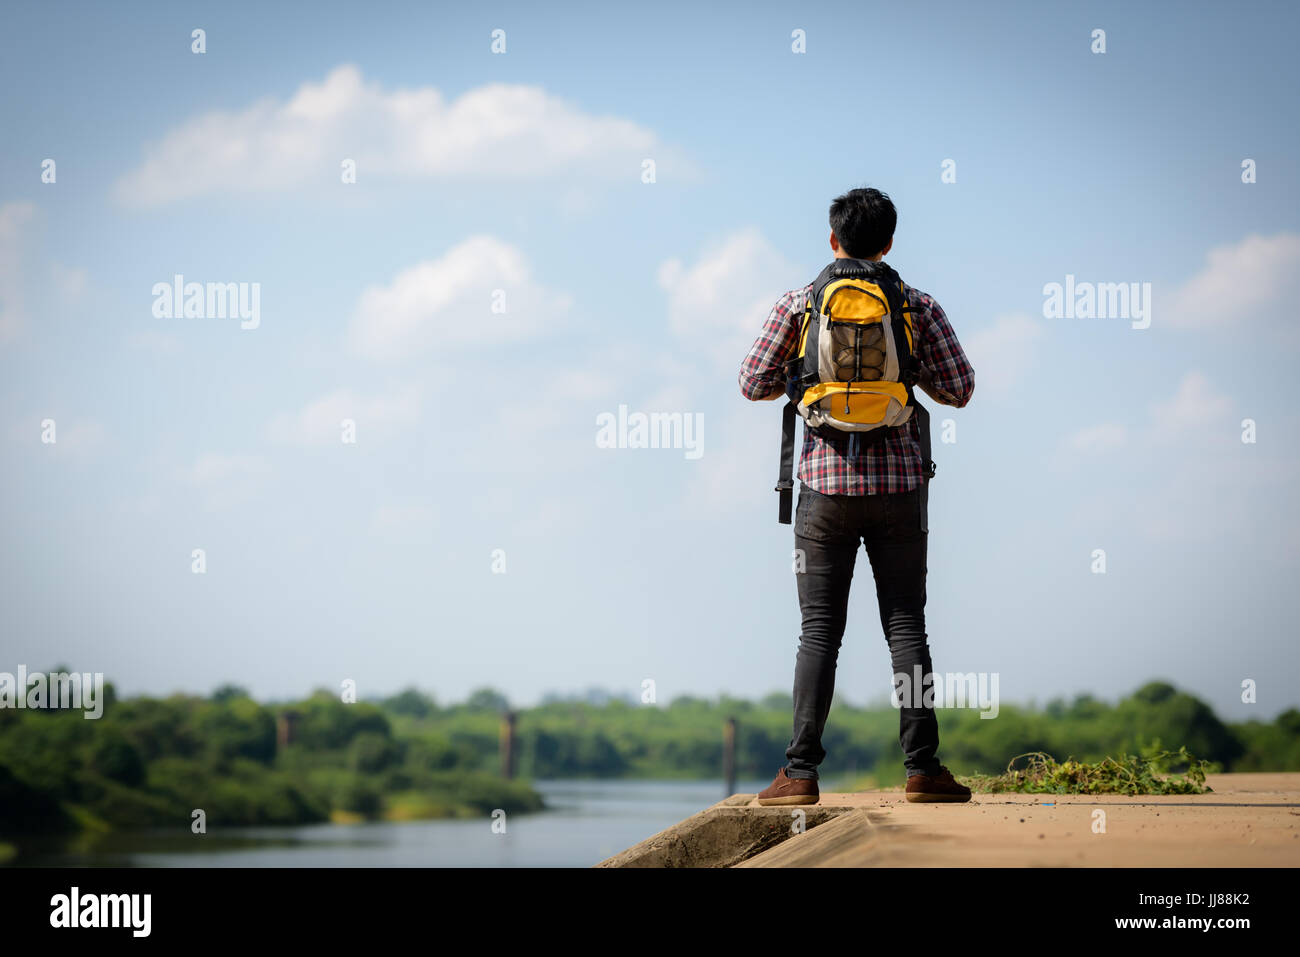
928 468
785 483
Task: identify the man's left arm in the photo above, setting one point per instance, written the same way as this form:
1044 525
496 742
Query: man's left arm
762 374
946 374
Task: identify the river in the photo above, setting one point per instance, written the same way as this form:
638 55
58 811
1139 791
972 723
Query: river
585 822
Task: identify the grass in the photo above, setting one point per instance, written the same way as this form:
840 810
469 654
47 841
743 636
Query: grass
1127 774
420 806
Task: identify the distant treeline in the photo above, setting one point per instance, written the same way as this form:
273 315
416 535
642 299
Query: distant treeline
151 762
618 738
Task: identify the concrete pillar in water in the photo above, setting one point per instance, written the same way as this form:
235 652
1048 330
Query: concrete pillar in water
286 729
729 757
508 721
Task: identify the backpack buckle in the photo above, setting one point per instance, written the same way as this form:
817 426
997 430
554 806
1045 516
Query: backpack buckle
784 486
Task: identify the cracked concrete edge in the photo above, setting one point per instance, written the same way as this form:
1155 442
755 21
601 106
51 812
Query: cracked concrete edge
736 800
840 842
722 835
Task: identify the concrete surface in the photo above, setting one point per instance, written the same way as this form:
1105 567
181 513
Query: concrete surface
1248 820
723 835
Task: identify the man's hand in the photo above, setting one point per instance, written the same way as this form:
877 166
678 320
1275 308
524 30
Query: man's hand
926 381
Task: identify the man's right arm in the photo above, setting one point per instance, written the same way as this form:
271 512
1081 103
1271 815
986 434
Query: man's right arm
762 374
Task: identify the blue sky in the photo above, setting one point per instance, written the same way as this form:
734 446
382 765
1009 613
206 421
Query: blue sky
522 172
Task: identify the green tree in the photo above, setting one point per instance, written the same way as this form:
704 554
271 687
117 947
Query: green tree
487 699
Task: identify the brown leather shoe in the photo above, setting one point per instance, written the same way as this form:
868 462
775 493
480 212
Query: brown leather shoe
936 788
785 790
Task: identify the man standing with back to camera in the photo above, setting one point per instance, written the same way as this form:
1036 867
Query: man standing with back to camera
857 487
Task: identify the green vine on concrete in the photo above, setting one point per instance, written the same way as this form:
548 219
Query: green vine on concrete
1127 774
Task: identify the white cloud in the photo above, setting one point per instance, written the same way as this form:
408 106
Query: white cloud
720 302
1003 352
406 522
85 435
1194 406
69 281
14 218
223 480
1254 279
161 344
1215 500
735 474
76 437
1184 476
377 418
214 468
73 437
1208 483
449 301
1097 439
559 406
500 130
670 397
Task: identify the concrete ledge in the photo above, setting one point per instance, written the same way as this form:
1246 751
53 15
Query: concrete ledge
1248 820
836 844
723 835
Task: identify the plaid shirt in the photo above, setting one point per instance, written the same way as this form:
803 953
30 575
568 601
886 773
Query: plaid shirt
836 464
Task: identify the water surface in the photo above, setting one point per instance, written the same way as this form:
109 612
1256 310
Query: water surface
585 822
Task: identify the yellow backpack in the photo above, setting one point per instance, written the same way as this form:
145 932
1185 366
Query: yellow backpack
854 368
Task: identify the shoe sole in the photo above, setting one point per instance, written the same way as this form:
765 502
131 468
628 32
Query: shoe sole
793 799
917 797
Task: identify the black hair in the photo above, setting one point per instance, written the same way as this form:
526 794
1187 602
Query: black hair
863 221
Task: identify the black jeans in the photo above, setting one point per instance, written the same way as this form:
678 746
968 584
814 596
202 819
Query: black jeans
828 529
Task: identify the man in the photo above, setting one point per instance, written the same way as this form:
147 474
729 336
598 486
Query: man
855 492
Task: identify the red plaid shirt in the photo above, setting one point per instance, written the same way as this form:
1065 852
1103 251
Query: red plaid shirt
838 464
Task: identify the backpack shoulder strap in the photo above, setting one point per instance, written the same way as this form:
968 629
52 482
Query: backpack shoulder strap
795 365
909 369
